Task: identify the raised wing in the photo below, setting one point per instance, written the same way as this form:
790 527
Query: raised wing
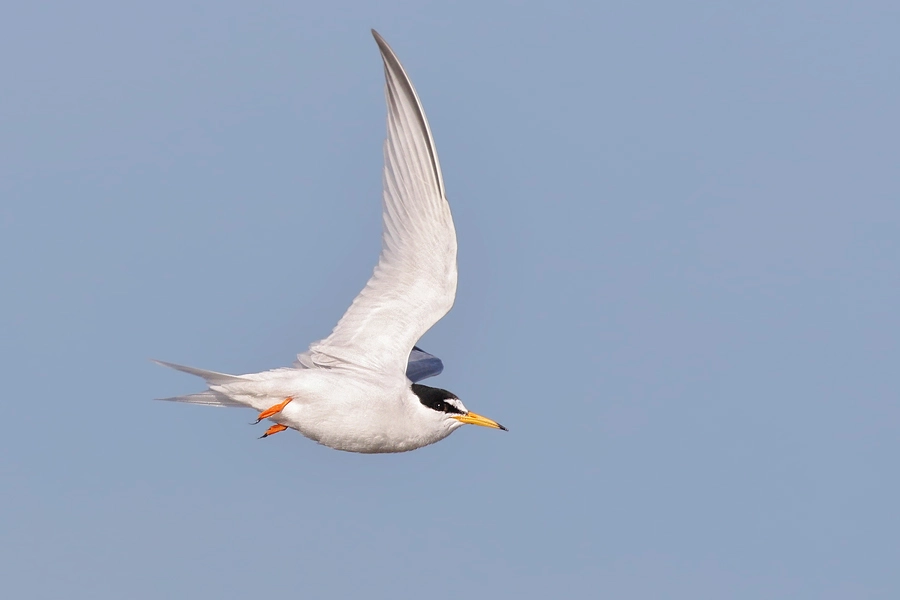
414 283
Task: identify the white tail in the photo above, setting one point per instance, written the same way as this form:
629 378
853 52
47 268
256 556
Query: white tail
209 397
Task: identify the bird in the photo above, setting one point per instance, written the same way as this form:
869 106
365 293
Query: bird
358 389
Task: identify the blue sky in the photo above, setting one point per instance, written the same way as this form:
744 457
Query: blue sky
678 229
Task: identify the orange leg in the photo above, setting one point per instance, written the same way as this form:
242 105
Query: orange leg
277 428
274 410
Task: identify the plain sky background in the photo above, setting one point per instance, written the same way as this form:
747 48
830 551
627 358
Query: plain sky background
678 229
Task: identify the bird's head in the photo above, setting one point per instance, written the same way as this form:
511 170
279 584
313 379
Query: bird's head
447 410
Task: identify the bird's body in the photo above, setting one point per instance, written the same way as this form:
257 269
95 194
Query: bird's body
357 412
355 390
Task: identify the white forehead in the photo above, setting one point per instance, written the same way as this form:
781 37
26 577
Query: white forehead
456 403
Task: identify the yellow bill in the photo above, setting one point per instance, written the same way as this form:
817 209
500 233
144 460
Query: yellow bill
473 419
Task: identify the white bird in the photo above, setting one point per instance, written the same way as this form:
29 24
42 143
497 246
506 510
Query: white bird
356 390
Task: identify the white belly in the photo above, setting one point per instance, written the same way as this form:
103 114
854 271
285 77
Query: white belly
341 411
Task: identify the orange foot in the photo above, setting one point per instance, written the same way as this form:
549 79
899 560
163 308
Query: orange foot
277 428
274 410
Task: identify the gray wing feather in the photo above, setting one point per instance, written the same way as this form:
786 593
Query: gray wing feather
422 365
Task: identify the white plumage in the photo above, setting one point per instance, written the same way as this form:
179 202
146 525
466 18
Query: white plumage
350 391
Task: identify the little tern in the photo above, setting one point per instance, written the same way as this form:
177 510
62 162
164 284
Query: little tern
357 390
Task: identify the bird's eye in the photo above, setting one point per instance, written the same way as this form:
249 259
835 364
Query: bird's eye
441 407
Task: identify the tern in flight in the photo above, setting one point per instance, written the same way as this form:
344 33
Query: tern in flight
357 390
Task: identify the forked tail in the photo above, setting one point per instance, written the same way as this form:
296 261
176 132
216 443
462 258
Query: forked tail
209 397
